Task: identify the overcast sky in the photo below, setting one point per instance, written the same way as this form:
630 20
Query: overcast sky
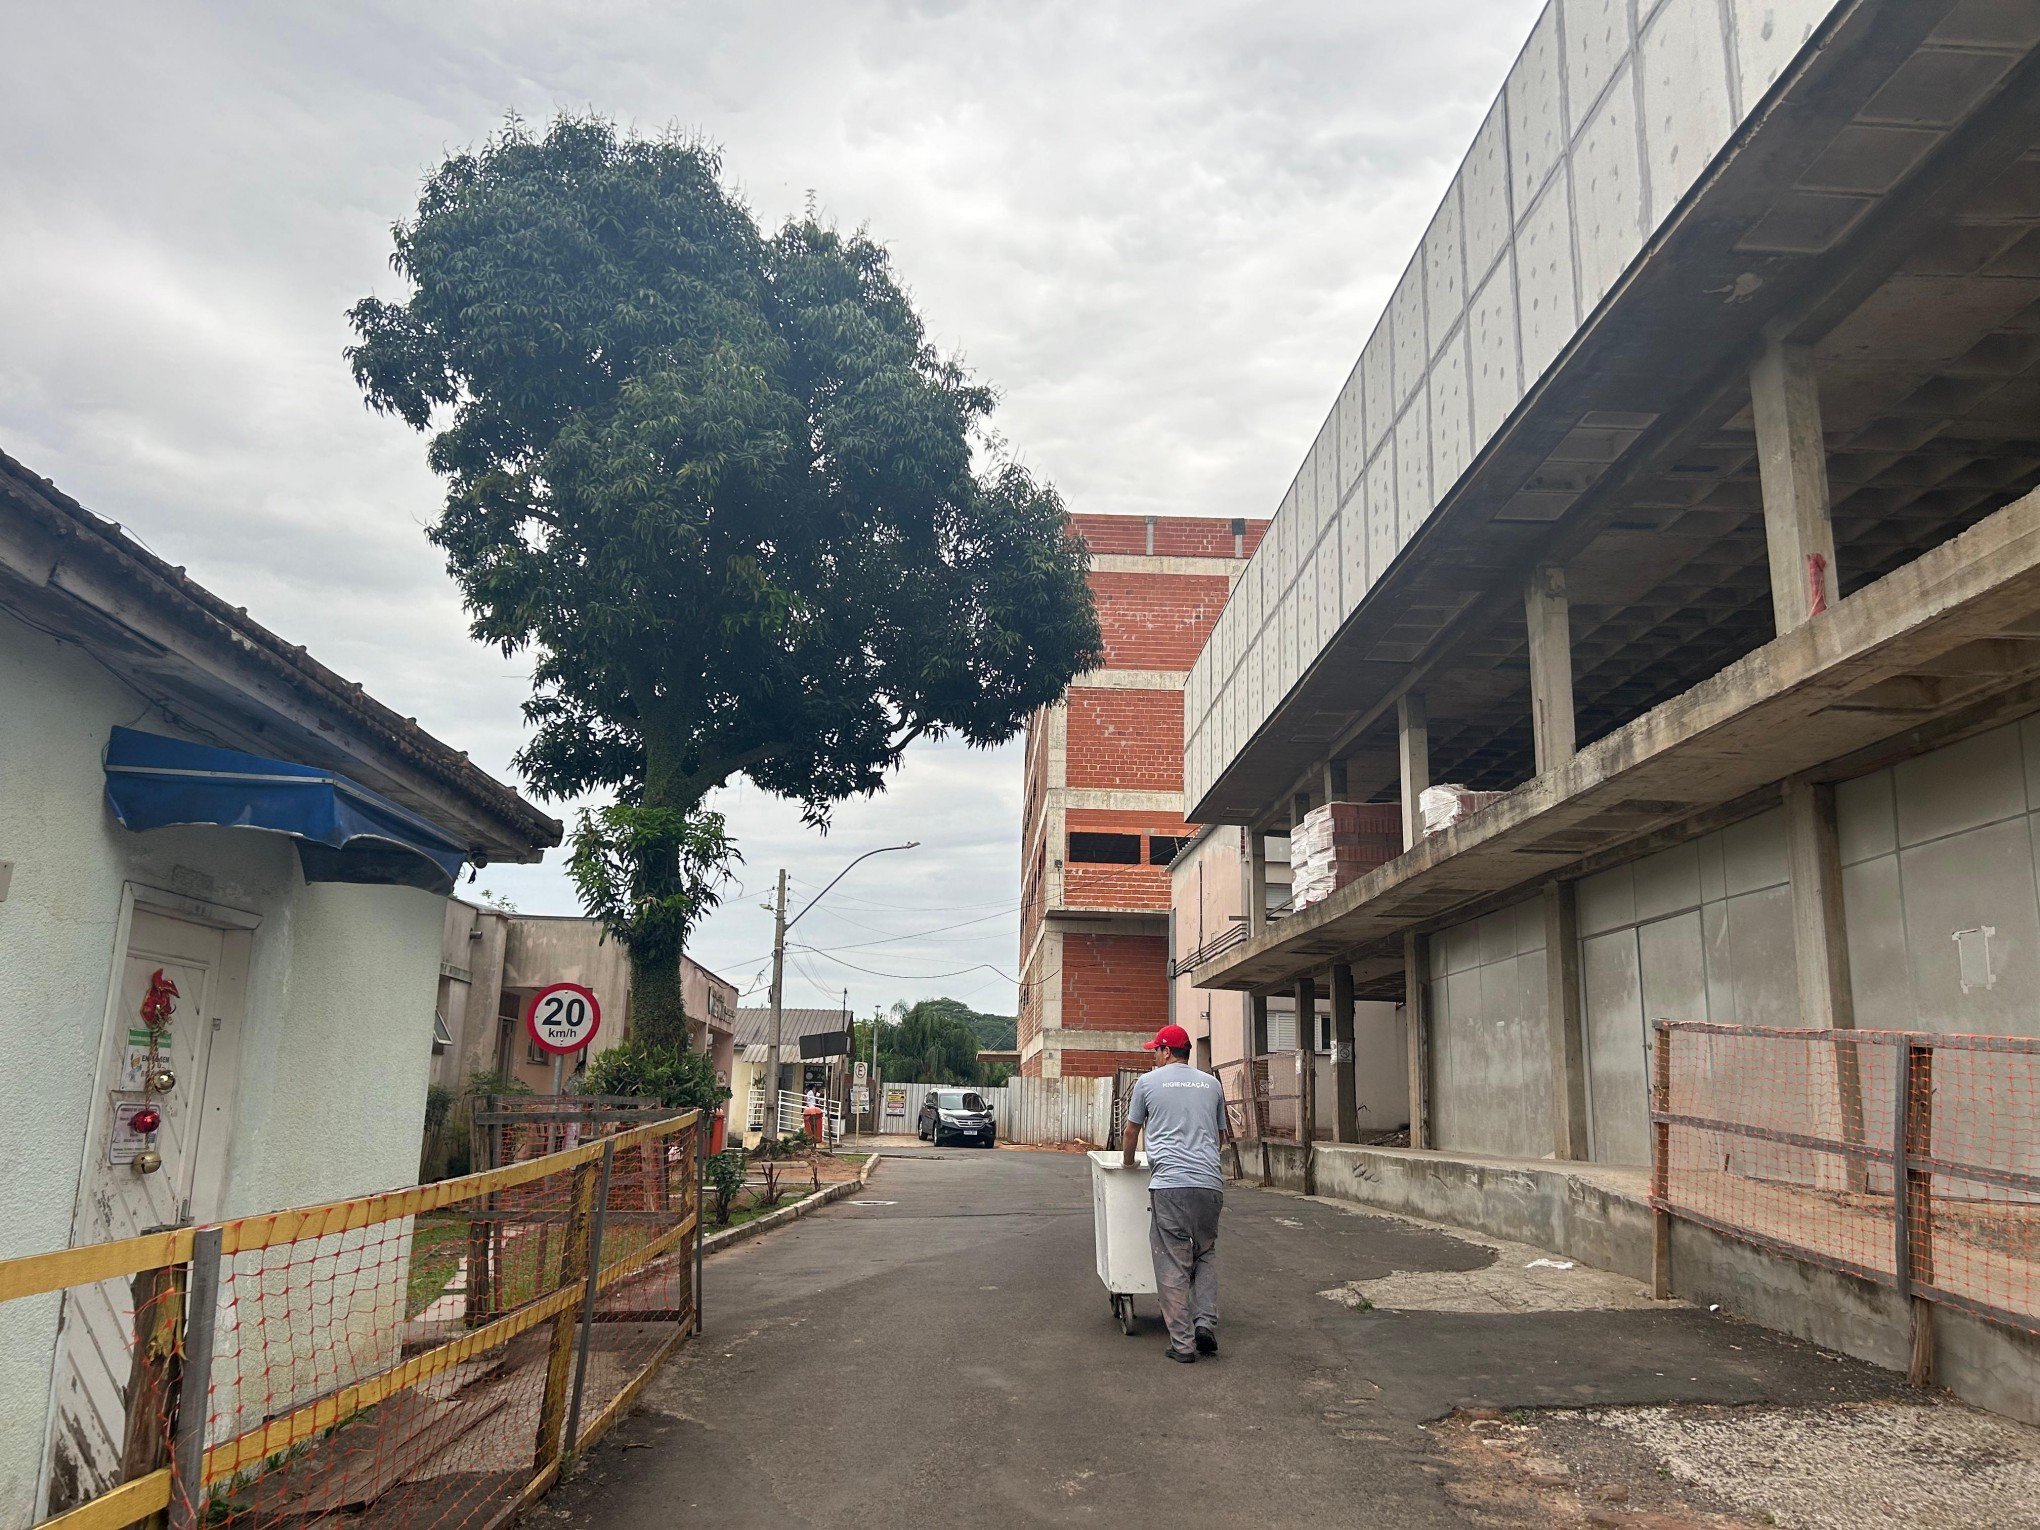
1161 231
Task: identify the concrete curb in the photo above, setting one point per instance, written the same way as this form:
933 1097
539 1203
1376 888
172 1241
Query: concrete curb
814 1201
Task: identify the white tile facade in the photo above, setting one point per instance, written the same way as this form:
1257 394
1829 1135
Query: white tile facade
1609 116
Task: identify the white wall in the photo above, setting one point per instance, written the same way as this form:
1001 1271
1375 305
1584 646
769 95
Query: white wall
1490 1052
1939 845
1605 122
335 1048
1702 931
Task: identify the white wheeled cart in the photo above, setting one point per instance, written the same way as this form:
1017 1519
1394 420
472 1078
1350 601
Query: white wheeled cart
1119 1205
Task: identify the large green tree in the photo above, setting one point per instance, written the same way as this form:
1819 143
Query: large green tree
745 517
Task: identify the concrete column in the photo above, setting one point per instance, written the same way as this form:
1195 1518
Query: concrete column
1820 945
1417 1009
1792 464
1413 755
1257 886
1332 780
1306 1078
1257 1048
1548 617
1563 1022
1819 936
1346 1119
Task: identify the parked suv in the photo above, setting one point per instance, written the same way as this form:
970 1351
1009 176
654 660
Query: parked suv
963 1114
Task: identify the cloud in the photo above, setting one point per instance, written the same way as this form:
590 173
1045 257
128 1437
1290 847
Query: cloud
1162 232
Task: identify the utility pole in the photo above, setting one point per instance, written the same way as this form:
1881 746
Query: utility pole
778 1011
780 925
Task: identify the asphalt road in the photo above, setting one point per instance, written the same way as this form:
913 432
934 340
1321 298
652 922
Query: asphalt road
945 1356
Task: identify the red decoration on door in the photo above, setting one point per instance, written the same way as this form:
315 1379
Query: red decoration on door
158 1003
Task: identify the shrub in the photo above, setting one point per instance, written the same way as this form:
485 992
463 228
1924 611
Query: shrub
725 1182
682 1080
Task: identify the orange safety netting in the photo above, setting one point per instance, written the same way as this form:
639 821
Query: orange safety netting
1908 1159
424 1357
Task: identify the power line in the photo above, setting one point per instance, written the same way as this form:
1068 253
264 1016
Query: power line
912 977
940 929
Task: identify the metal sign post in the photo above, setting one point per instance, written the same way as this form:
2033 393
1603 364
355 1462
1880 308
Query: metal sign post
562 1018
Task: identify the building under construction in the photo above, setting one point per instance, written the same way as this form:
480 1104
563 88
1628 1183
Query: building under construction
1683 499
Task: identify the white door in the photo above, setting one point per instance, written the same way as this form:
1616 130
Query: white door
209 966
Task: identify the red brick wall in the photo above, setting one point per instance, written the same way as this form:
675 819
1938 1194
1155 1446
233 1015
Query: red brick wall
1126 740
1156 621
1176 536
1114 983
1129 887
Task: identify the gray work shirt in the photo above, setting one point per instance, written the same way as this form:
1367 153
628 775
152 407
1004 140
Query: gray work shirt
1180 1112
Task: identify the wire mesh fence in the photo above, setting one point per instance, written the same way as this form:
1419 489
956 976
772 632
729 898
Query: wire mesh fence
425 1357
1908 1159
1262 1097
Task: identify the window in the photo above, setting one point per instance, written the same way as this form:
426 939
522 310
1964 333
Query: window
1104 849
1163 848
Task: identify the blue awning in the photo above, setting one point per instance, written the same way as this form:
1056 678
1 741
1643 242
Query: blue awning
344 831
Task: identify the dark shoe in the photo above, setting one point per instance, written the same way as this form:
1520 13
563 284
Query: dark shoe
1207 1342
1184 1356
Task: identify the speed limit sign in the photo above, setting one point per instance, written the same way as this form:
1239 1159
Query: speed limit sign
563 1018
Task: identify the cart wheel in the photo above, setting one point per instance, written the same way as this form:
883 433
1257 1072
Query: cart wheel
1122 1308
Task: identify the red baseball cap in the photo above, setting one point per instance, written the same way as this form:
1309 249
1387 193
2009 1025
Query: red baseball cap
1173 1037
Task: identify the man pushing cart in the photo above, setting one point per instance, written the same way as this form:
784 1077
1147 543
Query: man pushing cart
1179 1112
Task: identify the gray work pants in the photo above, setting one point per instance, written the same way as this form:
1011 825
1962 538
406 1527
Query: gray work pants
1183 1232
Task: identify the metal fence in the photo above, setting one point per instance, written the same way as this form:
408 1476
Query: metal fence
1907 1159
1038 1111
424 1357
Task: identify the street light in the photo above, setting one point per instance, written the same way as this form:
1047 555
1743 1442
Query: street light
780 925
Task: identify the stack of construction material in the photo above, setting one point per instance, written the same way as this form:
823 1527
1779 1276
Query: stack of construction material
1440 807
1337 843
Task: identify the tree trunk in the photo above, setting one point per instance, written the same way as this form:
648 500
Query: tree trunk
658 1016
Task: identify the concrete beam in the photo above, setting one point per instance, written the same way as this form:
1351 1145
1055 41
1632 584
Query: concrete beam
1792 463
1548 618
1413 757
1346 1087
1782 711
1562 1012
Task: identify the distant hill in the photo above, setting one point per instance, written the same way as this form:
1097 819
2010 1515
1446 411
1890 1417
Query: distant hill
995 1033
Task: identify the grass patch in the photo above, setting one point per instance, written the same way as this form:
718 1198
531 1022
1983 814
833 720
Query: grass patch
528 1257
437 1244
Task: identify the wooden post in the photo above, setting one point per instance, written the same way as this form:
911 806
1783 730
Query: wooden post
1913 1200
1306 1079
1417 1011
574 1251
1661 1167
1345 1080
154 1374
1564 1032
